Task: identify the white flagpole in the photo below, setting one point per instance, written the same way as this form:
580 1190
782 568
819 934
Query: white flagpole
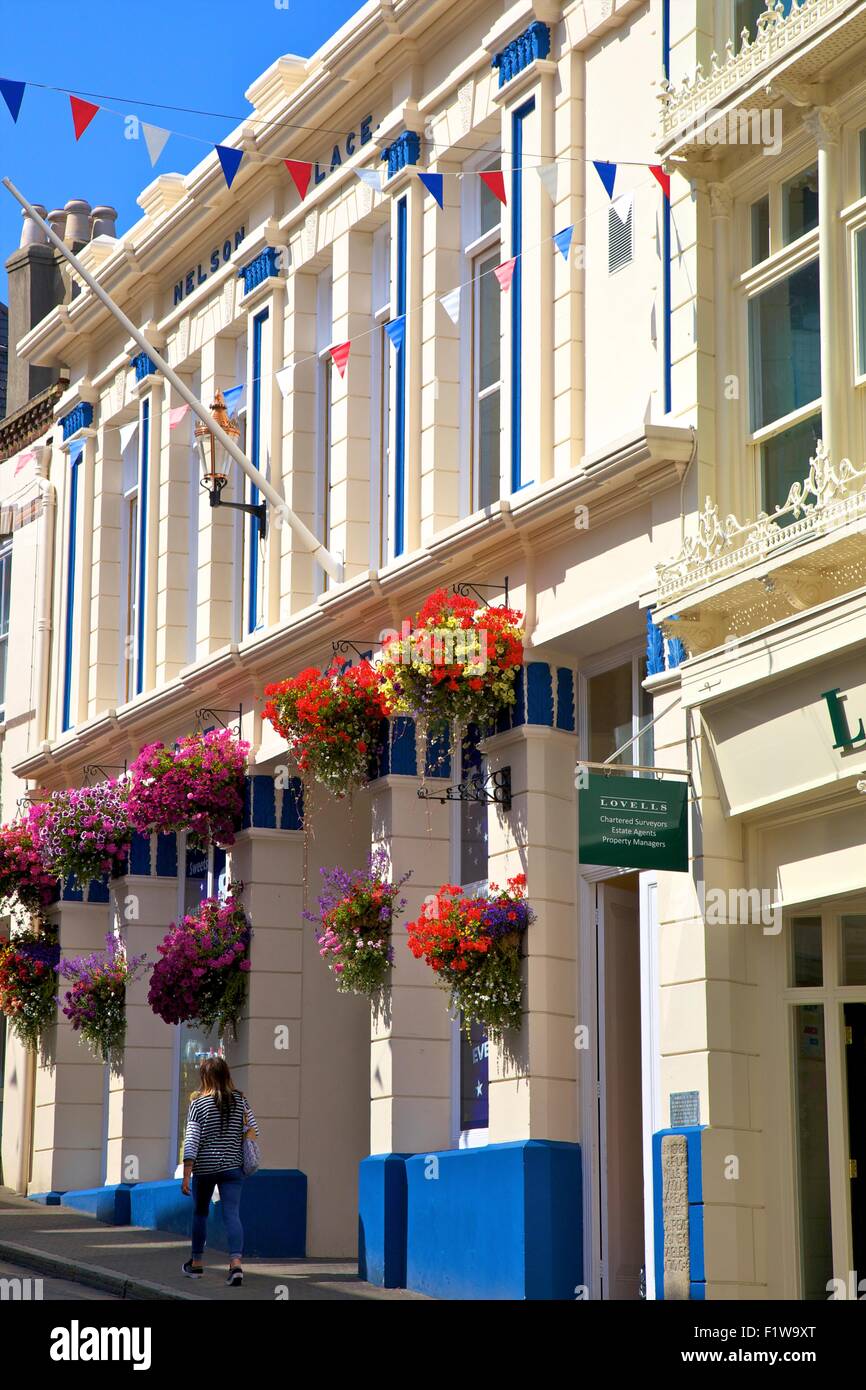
321 554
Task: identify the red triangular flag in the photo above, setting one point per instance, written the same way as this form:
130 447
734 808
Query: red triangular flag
340 356
301 173
662 178
505 273
82 114
495 180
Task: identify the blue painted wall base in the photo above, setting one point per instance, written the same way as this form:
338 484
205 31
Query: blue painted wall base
382 1220
273 1210
500 1222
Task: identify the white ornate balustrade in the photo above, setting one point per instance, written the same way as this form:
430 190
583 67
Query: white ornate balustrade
778 38
830 499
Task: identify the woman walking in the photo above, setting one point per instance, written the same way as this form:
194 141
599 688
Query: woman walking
219 1120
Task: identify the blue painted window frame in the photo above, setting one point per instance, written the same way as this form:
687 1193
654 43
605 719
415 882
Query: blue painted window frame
69 634
517 119
400 388
255 617
141 580
667 303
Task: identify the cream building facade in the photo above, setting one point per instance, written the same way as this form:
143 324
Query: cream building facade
560 437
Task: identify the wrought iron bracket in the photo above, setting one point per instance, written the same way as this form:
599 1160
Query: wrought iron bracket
257 509
464 589
492 790
344 645
105 770
208 712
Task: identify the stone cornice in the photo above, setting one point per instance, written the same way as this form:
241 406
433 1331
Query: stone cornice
481 544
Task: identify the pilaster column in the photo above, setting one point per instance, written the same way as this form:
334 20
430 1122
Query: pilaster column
569 279
349 455
297 460
410 1059
68 1126
440 386
152 391
824 125
144 902
301 1051
728 469
217 560
178 527
533 1087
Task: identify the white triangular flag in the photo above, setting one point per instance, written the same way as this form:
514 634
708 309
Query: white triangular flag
126 434
371 177
622 206
451 304
284 380
549 178
155 138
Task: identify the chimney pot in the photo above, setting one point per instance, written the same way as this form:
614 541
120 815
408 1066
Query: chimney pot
77 222
57 221
31 232
103 221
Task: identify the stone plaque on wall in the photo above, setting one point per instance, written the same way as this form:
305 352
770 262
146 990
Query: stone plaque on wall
675 1216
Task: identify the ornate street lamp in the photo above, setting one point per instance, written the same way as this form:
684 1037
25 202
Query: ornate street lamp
215 463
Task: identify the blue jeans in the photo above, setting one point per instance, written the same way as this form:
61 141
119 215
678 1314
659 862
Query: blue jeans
230 1183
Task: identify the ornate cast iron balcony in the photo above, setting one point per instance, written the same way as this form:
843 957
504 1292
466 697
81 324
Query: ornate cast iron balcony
781 39
732 577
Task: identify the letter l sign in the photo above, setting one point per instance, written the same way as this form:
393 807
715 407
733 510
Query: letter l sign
839 720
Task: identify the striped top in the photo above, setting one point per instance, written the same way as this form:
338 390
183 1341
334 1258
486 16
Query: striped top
214 1143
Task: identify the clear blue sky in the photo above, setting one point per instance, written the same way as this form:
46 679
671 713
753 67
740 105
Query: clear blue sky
193 53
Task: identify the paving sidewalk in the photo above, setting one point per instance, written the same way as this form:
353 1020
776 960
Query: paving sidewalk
132 1262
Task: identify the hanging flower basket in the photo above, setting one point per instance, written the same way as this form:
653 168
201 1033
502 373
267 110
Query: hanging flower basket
96 1003
331 721
201 974
473 944
24 880
455 662
28 983
197 787
83 832
356 913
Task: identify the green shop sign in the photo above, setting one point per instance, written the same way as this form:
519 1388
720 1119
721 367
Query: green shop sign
633 823
846 739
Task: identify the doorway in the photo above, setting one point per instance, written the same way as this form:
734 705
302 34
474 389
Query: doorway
855 1068
619 1083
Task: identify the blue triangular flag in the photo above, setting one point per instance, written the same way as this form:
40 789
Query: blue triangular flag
607 174
76 449
230 160
234 398
562 241
13 95
434 184
396 331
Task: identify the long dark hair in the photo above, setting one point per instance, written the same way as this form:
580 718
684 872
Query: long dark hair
216 1081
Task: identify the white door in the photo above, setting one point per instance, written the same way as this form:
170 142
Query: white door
621 1195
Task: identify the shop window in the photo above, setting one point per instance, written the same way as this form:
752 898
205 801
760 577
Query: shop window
860 273
5 595
618 709
807 963
382 491
483 251
854 949
760 226
813 1150
785 460
324 390
746 16
785 346
800 205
